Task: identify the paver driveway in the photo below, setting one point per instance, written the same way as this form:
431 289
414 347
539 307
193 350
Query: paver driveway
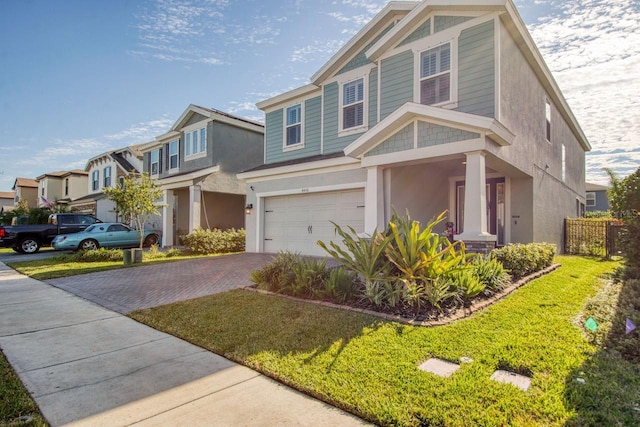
130 289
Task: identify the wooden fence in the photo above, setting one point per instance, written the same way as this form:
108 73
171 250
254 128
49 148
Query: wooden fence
596 237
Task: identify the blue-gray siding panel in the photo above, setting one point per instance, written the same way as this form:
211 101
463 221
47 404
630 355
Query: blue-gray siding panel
373 97
430 134
396 86
422 31
273 128
312 113
400 141
443 22
361 59
476 75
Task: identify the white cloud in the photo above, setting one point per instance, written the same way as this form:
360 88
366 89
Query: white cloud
141 132
593 50
319 50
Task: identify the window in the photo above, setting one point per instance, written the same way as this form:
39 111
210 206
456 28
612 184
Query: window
155 162
195 142
121 182
591 198
107 177
116 227
293 126
95 180
66 186
353 104
547 115
435 75
42 188
173 154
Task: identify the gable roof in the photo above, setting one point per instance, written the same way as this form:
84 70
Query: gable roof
392 11
514 24
118 156
409 111
62 174
25 182
595 187
212 113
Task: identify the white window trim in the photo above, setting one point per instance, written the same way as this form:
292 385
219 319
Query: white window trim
189 129
591 199
433 42
104 176
151 162
95 173
365 103
169 168
300 145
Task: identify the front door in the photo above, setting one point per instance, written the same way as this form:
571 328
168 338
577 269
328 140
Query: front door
495 188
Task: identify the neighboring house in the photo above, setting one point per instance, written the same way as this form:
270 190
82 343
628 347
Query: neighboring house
26 189
597 199
61 187
6 200
107 170
432 106
196 163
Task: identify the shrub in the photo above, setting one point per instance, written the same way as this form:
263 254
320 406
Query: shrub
215 241
97 255
490 272
340 285
278 273
521 260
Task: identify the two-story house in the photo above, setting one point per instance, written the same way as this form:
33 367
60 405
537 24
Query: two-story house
432 106
596 197
6 200
61 187
107 170
26 189
195 163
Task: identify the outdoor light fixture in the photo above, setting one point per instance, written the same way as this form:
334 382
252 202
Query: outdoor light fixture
248 209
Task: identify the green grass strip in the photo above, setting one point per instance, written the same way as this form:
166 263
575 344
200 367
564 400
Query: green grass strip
15 401
369 366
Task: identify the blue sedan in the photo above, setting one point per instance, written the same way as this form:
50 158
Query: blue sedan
105 234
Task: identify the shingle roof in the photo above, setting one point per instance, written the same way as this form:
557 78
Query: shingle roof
7 194
26 182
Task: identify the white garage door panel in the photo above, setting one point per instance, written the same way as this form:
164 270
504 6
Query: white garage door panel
295 223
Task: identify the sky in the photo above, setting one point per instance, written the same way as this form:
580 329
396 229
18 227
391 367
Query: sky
81 77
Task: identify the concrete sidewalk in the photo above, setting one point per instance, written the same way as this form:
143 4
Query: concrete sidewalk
86 365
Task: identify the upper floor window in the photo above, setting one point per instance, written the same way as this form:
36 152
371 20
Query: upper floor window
42 188
107 177
547 116
293 126
66 186
155 162
195 142
353 104
121 182
435 75
95 180
173 154
591 198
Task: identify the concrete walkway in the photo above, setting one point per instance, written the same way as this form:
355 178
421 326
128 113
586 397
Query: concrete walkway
87 365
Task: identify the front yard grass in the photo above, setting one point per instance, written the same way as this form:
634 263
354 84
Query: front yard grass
16 406
51 268
369 366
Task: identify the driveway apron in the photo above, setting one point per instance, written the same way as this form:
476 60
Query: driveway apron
86 365
130 289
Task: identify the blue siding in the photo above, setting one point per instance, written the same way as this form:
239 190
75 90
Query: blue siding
361 59
312 123
443 22
476 75
421 32
396 86
430 134
332 142
373 97
400 141
274 135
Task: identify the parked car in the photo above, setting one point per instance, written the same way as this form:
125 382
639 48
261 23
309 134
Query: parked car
29 238
106 235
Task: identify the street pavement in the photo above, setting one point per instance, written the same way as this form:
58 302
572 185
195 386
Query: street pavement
86 365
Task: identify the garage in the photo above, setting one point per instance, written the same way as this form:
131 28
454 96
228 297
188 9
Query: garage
296 222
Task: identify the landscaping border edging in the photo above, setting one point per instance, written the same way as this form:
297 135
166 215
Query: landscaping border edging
465 312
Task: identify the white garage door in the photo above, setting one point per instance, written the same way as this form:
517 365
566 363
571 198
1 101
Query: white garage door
295 223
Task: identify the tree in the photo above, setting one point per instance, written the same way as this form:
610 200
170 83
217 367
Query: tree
136 199
624 198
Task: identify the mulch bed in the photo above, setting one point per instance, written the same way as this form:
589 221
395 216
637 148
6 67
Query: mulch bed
424 317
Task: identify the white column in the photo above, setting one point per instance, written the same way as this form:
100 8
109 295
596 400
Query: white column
168 204
374 201
475 200
194 207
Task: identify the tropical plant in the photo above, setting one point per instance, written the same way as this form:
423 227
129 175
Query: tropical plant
490 272
339 285
436 291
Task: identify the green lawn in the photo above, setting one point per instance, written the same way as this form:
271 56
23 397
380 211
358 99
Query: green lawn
15 401
369 366
51 268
